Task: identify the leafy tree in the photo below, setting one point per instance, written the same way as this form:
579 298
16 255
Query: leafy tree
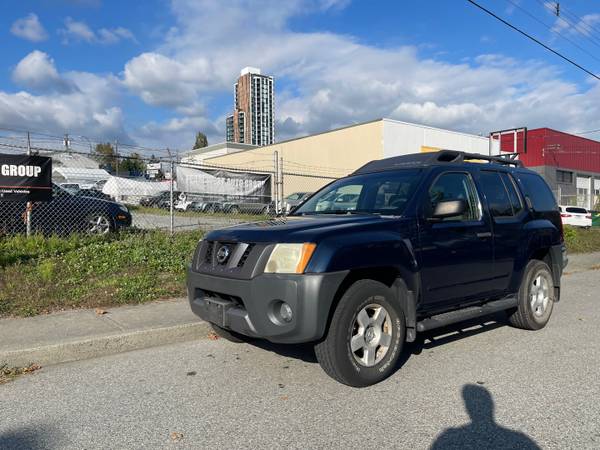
132 165
201 141
105 154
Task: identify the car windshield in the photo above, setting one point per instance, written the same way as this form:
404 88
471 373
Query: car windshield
379 193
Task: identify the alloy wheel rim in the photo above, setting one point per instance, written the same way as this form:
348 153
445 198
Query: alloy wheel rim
99 225
371 335
539 294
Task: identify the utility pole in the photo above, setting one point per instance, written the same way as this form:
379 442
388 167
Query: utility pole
67 142
29 204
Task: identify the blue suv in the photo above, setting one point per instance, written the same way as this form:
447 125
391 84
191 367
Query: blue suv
424 241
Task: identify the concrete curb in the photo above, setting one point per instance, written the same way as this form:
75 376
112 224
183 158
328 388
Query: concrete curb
103 345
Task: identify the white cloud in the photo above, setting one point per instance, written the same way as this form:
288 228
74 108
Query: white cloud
79 31
76 102
322 80
333 80
30 28
37 72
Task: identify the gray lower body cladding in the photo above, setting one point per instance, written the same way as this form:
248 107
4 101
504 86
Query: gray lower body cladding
251 307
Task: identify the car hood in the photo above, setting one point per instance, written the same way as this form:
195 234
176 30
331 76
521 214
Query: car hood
99 201
298 229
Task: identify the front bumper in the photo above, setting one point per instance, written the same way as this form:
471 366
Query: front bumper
249 307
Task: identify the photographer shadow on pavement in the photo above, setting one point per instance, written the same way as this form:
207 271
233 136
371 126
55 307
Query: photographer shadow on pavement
482 431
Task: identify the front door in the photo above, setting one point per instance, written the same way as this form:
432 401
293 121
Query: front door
455 253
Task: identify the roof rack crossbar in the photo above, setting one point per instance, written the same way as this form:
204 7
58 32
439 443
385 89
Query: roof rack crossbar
508 159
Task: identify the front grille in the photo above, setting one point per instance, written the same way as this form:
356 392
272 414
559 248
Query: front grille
221 296
240 253
245 255
208 257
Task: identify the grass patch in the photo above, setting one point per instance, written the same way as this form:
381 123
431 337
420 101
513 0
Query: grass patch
178 213
40 275
581 240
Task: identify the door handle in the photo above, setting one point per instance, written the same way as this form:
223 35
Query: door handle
484 235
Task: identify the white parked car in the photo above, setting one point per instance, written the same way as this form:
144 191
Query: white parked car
576 216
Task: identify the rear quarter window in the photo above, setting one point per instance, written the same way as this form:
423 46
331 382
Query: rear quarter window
536 189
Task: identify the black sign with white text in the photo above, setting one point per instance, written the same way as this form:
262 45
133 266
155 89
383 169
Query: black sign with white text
25 178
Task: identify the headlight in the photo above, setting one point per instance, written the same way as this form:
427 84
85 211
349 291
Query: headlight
123 208
290 258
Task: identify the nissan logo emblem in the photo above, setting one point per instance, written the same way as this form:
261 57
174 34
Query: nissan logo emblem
223 254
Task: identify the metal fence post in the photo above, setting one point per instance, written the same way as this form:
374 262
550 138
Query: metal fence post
280 177
171 209
276 180
29 204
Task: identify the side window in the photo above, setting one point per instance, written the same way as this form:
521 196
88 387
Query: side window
392 195
455 186
495 193
513 194
538 192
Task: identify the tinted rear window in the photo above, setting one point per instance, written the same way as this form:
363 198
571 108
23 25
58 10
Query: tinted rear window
538 192
577 210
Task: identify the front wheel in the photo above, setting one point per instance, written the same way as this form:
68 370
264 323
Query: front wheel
536 297
365 337
98 223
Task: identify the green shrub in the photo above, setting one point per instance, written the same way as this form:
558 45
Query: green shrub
43 274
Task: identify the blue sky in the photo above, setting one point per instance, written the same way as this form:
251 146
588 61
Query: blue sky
154 72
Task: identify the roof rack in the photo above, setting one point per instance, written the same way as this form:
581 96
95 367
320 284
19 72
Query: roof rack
440 157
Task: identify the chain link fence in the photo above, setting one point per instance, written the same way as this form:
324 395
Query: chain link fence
99 188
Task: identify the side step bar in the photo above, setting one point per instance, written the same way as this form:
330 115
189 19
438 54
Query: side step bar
441 320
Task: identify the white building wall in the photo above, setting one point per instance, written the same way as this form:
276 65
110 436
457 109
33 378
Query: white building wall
400 138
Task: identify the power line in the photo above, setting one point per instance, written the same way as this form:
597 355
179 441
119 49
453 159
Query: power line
581 22
577 27
534 39
516 5
589 132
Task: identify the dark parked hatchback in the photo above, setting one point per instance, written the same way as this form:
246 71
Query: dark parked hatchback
419 242
66 213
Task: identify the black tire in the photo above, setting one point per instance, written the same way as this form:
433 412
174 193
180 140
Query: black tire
234 210
334 352
526 315
229 335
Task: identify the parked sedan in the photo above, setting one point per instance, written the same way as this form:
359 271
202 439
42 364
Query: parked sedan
160 200
576 216
66 213
246 206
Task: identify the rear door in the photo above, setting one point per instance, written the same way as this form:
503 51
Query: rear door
456 253
507 212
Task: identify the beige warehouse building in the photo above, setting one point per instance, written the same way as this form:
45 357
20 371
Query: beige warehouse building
338 152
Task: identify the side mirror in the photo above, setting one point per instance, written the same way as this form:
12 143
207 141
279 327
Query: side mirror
449 208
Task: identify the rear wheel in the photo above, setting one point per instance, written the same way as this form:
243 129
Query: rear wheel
234 210
536 297
365 337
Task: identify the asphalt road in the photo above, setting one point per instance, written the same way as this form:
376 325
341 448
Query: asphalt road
488 387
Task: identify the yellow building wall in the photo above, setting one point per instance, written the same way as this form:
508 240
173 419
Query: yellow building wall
331 154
